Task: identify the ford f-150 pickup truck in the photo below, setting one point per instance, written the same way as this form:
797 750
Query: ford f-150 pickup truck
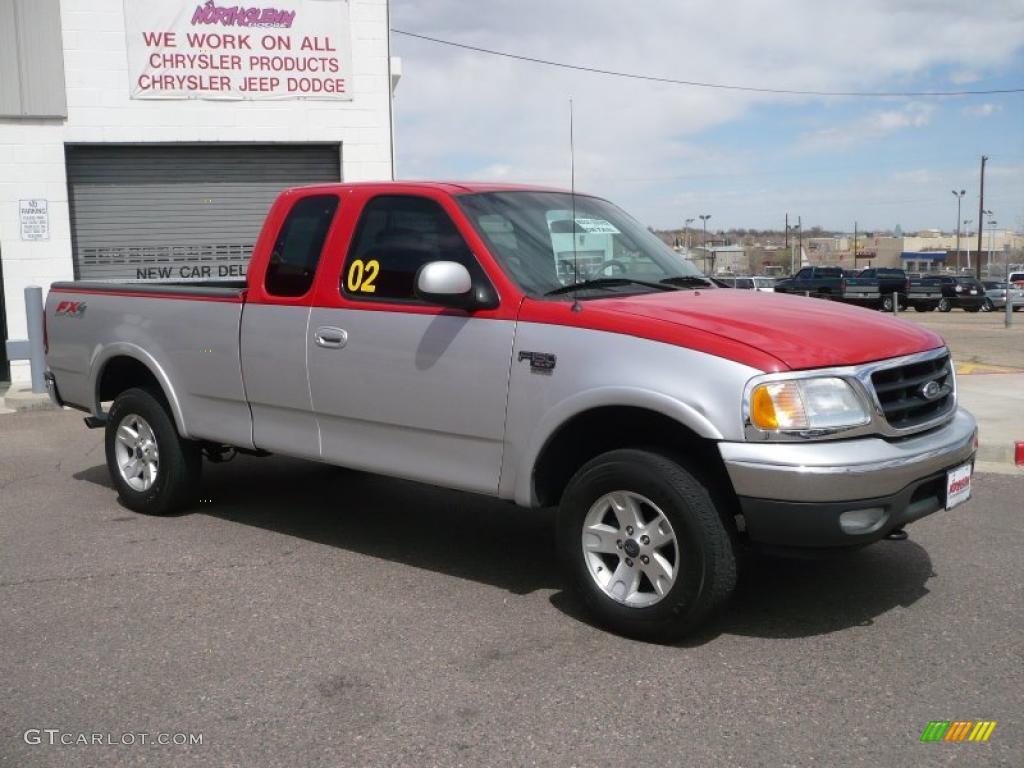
537 346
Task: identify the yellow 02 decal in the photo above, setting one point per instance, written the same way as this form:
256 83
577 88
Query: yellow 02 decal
361 276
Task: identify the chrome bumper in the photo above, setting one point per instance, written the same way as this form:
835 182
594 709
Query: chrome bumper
846 470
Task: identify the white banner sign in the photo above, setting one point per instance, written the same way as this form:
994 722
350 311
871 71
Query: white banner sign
295 49
35 219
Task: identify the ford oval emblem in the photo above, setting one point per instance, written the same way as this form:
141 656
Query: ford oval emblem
931 390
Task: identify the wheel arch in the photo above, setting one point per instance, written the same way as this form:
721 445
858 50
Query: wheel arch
122 366
671 428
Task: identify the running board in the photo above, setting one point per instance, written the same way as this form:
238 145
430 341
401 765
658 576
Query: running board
95 422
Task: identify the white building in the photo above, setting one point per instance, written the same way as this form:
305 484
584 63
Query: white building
145 140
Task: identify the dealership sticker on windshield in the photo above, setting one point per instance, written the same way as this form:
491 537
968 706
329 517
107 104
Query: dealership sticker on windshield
958 486
596 226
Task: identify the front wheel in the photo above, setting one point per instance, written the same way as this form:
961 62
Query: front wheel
154 470
987 306
945 305
643 545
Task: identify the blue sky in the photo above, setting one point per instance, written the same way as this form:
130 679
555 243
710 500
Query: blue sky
669 152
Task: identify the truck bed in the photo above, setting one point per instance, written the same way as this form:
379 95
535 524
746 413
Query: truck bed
233 289
187 334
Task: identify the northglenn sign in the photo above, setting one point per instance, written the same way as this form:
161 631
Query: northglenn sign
298 49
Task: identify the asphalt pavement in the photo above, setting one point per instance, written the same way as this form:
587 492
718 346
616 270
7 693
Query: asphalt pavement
306 615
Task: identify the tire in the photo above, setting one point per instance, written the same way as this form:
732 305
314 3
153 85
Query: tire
987 306
887 304
169 467
944 305
651 489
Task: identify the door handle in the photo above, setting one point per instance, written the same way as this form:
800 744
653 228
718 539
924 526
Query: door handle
330 337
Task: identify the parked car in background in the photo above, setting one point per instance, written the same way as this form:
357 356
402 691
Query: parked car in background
869 288
1017 278
890 280
961 291
996 296
749 283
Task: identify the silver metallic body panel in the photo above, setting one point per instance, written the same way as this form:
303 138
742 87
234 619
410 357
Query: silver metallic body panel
418 396
273 344
190 346
846 470
596 368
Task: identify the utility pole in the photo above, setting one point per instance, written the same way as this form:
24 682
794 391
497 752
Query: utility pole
800 239
959 196
787 231
855 245
981 215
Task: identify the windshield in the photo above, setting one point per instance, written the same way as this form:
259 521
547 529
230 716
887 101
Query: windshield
534 239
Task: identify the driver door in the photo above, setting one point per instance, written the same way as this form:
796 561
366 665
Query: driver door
399 386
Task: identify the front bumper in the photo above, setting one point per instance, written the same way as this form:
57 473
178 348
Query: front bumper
792 494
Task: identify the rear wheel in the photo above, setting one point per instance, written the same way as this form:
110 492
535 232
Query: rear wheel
643 545
154 470
944 305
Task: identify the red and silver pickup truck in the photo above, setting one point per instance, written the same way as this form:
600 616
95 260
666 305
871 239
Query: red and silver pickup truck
537 346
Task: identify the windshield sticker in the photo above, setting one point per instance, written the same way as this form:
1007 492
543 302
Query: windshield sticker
597 226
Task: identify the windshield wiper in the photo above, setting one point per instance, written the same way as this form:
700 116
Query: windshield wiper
686 280
607 282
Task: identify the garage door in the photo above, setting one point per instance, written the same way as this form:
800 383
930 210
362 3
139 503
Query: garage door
180 212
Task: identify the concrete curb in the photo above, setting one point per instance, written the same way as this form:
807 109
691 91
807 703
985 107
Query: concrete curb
18 400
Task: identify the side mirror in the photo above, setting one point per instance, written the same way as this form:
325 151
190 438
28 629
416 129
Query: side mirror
449 284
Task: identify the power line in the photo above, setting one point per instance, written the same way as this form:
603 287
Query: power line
697 83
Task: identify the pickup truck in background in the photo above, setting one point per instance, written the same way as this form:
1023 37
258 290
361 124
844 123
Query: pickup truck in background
875 287
432 332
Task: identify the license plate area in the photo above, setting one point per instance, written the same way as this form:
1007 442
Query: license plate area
958 485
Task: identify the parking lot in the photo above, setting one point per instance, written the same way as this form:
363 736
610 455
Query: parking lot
979 339
306 615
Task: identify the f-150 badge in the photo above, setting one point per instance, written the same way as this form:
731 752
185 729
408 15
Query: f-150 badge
540 362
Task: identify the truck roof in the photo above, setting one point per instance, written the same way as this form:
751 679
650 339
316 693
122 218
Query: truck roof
450 187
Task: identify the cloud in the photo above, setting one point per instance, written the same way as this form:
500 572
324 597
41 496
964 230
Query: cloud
462 114
981 110
873 125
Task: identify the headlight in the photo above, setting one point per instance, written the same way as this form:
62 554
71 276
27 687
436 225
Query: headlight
825 403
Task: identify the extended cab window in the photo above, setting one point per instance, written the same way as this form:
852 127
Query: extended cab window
296 253
396 236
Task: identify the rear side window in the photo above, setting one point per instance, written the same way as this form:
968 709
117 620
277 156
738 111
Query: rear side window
396 236
296 252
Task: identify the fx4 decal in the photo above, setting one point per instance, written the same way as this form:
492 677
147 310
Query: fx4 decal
70 309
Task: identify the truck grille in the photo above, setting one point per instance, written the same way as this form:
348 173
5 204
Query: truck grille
900 392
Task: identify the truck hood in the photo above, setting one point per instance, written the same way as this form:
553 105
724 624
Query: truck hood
799 332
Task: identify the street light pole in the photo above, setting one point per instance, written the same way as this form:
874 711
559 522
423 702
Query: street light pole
991 240
686 226
704 221
967 224
981 231
959 196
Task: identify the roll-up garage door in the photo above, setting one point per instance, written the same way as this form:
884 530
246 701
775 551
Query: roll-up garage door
180 212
